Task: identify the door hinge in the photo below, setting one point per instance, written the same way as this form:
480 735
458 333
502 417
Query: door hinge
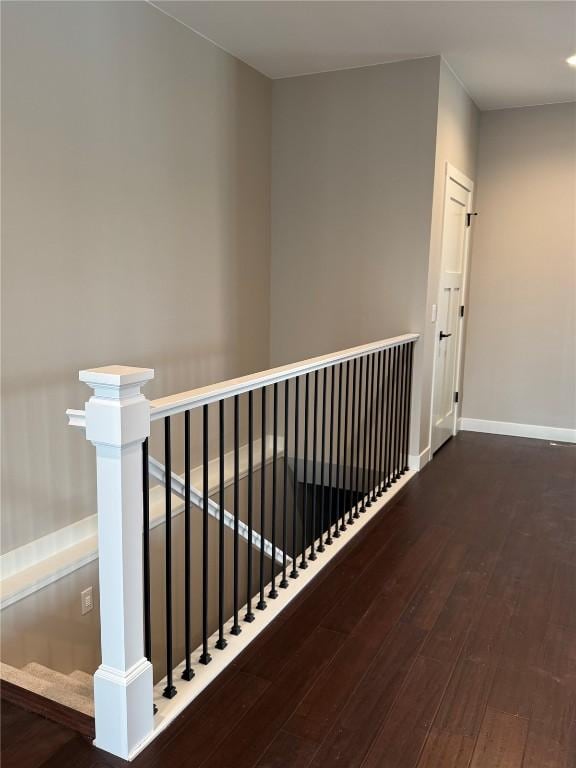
469 218
456 397
461 310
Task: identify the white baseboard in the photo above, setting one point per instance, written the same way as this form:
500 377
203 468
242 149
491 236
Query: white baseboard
559 434
420 460
48 546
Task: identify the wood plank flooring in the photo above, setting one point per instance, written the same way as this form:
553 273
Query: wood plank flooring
444 638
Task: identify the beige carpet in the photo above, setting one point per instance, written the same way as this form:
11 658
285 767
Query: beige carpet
74 690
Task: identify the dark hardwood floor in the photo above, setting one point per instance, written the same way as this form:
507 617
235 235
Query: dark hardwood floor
445 638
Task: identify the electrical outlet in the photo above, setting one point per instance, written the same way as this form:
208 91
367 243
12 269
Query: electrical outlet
87 601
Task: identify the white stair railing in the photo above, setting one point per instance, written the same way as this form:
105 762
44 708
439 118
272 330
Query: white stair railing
348 426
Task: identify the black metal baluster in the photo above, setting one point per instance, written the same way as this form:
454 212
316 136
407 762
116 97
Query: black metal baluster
284 581
375 430
398 393
392 478
273 594
370 431
188 673
358 437
249 617
377 426
347 450
314 461
345 464
294 572
382 422
388 420
352 434
367 406
331 460
339 454
396 409
170 690
321 547
146 551
303 563
399 413
236 628
403 408
373 404
365 435
391 418
408 406
345 446
205 657
146 555
262 602
221 642
336 505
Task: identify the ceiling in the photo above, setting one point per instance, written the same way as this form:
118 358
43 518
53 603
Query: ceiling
507 54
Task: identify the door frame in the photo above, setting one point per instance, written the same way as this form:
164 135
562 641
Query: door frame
451 172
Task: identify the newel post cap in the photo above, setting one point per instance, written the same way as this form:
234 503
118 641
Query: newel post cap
116 376
117 414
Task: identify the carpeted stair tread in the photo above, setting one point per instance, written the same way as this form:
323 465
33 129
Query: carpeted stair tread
83 677
58 679
50 690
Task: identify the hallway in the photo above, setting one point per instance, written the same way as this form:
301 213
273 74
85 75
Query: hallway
444 636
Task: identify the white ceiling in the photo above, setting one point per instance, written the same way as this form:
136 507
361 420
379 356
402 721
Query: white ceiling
506 54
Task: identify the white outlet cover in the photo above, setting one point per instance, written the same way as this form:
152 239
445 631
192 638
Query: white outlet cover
87 601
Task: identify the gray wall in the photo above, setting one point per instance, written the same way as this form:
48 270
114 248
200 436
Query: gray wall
521 345
136 181
358 172
352 178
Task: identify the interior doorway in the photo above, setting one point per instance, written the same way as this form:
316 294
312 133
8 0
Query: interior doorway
449 341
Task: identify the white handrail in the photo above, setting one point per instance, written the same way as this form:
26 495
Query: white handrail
76 418
194 398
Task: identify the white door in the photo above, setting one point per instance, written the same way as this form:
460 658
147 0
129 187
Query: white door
455 237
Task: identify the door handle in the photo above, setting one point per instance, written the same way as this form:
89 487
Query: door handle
444 335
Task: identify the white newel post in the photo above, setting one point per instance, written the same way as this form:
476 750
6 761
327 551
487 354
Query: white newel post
117 422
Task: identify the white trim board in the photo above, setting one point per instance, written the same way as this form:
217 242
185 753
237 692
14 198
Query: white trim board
35 565
561 434
417 461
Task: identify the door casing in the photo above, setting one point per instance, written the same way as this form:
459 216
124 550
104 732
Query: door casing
452 173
